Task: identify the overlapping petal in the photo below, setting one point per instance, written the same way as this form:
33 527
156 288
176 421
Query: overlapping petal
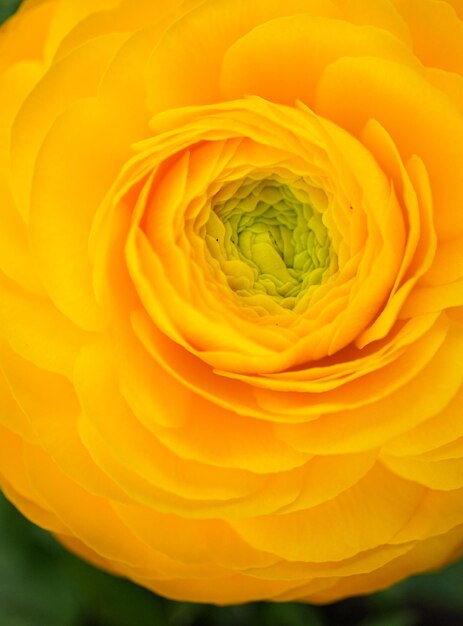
231 289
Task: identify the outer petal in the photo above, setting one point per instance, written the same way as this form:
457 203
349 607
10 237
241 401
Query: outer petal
391 93
253 62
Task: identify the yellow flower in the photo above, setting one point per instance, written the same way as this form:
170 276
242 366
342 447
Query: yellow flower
231 289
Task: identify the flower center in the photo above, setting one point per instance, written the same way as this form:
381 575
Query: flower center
270 240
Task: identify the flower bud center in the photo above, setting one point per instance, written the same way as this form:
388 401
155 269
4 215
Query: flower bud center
270 239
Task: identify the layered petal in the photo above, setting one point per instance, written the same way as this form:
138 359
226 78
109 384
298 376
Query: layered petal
231 290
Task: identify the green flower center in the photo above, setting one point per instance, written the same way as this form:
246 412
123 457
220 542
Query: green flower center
270 240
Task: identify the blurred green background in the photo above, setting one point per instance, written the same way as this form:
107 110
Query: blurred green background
7 7
43 585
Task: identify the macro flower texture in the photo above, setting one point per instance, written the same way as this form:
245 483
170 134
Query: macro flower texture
231 289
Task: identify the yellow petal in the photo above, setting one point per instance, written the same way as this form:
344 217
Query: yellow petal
437 33
262 61
367 515
185 66
420 119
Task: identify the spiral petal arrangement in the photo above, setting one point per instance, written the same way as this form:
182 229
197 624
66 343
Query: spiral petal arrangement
231 289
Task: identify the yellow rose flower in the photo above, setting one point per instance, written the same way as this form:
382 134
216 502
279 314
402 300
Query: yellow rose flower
231 289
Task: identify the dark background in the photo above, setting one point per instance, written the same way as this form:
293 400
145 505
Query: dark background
43 585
